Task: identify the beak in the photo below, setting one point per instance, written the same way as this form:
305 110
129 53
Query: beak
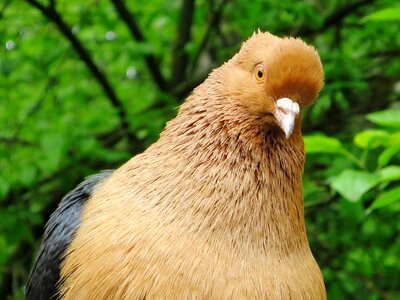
286 111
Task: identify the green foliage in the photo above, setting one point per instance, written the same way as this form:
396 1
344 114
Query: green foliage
58 122
354 184
387 14
359 179
321 144
389 118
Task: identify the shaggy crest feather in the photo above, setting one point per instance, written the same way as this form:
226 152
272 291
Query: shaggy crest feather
214 208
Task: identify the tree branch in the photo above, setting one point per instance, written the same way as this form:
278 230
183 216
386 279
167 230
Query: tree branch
84 55
16 141
314 204
25 194
335 17
213 24
52 4
151 61
183 89
180 57
386 53
20 256
52 80
107 140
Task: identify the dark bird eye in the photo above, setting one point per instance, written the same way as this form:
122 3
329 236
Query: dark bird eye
260 73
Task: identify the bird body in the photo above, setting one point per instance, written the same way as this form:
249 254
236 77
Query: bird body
214 208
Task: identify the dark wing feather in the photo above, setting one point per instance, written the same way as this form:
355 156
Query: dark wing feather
63 223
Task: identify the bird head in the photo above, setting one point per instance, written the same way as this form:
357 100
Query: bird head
274 78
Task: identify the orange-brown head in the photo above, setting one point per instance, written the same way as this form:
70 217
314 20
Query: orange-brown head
273 78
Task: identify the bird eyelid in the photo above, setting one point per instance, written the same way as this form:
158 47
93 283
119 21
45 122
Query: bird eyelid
254 66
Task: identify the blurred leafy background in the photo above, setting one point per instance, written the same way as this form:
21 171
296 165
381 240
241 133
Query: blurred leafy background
86 85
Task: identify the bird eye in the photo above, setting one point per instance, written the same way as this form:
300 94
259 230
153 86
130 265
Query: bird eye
260 73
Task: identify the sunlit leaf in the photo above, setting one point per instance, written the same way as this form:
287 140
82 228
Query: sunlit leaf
372 138
352 184
387 154
322 144
386 198
387 14
390 173
387 118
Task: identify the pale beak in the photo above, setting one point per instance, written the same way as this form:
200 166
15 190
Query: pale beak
285 113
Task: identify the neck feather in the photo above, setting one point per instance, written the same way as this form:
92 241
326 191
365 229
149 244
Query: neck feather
224 173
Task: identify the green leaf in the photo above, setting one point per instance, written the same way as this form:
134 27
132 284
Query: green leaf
352 184
387 14
28 175
336 292
53 148
387 154
312 192
370 139
351 212
4 187
388 118
391 173
386 198
322 144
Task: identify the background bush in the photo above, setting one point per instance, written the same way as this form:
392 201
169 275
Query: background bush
86 85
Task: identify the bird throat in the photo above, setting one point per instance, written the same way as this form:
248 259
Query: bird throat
239 182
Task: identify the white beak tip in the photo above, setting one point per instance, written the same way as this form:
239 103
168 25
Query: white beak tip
285 113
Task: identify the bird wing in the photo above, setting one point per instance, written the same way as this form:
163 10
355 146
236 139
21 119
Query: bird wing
43 279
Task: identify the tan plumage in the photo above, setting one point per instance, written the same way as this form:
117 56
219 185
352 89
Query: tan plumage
213 209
